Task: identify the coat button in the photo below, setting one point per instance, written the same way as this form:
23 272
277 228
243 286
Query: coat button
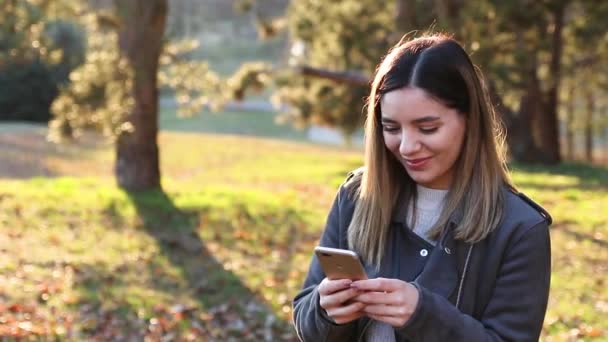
424 252
447 250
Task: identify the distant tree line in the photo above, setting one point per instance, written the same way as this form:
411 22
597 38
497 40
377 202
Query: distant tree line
98 64
540 58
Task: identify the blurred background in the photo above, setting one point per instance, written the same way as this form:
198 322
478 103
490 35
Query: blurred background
166 166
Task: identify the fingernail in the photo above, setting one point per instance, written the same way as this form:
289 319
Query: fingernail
347 282
354 286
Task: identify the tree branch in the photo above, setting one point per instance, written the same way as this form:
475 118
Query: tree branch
347 77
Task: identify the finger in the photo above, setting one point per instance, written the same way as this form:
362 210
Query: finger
373 297
386 319
388 310
348 318
337 298
328 287
378 284
346 310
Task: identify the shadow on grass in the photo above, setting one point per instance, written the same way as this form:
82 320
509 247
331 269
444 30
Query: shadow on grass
582 236
37 145
588 176
16 166
216 289
24 154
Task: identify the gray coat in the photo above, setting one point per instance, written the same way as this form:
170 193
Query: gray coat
494 290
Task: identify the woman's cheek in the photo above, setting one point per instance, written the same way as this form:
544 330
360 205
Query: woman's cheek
392 143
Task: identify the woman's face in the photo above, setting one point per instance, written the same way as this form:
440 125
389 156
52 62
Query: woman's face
423 134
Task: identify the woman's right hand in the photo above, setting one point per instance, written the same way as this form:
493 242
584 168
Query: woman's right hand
335 296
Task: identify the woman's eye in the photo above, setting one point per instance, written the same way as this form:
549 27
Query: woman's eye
428 130
390 129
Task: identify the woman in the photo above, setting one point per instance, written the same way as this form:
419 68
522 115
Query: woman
453 252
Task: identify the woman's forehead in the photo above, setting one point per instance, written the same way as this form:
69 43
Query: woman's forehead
411 103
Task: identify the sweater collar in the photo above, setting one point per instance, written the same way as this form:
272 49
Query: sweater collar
399 213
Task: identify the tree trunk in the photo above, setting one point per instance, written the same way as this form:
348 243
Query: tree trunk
414 15
570 123
140 40
405 16
523 145
604 113
549 132
590 108
448 13
521 125
12 18
346 77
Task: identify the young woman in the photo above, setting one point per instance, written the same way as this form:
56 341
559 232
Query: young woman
453 252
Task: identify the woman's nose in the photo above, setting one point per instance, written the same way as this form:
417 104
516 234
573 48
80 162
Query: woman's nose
409 144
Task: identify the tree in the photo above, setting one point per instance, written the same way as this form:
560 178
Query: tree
115 91
569 108
589 119
141 40
346 35
584 73
521 53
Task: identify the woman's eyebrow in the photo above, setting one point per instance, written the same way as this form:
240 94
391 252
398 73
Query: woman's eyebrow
426 119
387 120
416 121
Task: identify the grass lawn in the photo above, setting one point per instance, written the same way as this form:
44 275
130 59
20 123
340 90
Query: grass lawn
223 250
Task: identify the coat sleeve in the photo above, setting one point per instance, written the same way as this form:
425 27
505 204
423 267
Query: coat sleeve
515 311
310 320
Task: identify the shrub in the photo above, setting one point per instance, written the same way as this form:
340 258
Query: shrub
27 90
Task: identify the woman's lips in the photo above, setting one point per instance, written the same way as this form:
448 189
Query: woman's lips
416 164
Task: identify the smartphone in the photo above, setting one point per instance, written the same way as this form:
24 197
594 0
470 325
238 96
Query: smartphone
340 263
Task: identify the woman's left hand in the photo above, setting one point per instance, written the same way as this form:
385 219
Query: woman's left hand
388 300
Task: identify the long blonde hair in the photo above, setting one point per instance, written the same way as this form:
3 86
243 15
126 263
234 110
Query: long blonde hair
440 66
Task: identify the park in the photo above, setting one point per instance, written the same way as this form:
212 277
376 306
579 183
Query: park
167 167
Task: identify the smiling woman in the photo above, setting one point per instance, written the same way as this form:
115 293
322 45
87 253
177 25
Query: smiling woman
452 251
423 134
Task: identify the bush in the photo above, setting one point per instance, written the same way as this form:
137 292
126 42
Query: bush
26 91
30 77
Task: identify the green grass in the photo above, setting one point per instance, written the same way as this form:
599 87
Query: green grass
223 250
577 197
132 256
